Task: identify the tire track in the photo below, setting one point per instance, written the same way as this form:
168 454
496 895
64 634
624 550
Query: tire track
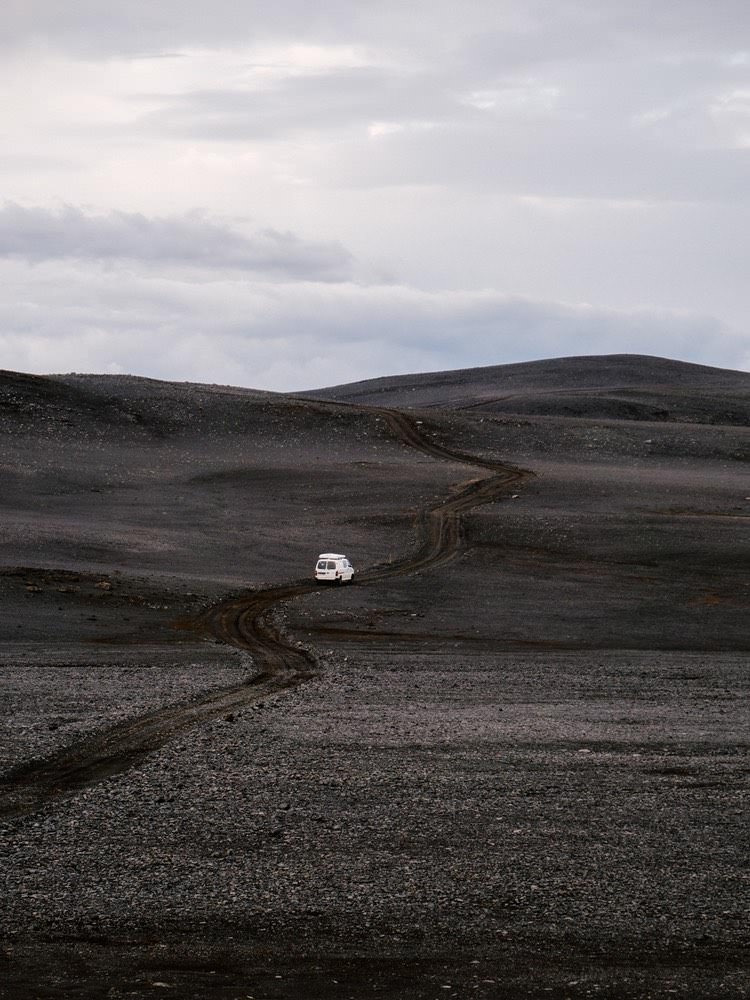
246 622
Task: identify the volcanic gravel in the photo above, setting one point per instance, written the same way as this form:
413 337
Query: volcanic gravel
523 772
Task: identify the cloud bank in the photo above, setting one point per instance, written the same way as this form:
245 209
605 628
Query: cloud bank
36 234
270 335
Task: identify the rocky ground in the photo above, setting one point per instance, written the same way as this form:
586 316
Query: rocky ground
523 772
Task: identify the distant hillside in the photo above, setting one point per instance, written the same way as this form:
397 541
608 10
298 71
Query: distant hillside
614 387
617 386
118 404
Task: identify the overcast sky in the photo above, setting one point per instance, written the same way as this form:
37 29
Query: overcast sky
290 195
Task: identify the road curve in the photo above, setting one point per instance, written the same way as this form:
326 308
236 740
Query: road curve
246 621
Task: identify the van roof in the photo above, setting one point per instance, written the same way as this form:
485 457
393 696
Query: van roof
330 555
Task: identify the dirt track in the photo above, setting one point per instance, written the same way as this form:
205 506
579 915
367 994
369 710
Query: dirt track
245 621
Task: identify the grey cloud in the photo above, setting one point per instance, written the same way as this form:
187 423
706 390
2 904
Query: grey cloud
246 333
565 31
515 33
612 64
691 22
37 234
86 27
34 163
307 102
630 119
564 159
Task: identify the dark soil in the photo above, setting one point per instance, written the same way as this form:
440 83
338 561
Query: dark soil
510 760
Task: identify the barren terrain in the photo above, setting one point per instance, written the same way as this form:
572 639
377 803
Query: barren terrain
511 759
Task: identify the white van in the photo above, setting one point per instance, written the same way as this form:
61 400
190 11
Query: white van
333 566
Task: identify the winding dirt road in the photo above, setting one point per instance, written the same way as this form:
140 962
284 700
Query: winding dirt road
246 621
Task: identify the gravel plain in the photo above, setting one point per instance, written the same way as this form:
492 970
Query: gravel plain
522 773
